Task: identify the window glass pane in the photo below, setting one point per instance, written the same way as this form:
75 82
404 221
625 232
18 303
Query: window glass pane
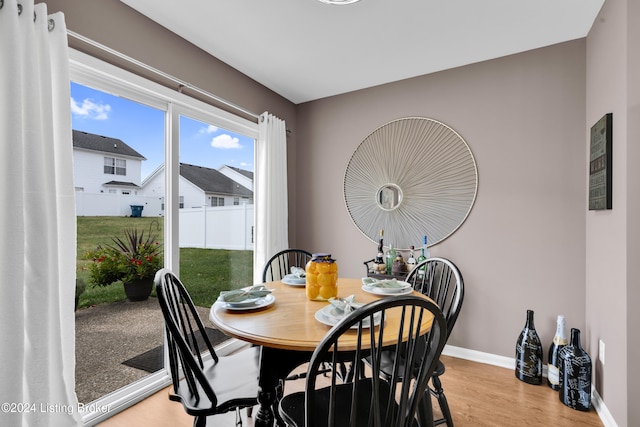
121 167
108 165
117 341
215 236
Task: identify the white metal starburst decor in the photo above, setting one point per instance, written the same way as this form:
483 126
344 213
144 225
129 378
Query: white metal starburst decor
410 177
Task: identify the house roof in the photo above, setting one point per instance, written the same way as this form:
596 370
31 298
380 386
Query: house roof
246 173
90 141
213 181
121 184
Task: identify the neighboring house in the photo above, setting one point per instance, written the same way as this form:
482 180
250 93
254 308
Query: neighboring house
241 176
105 165
107 175
200 186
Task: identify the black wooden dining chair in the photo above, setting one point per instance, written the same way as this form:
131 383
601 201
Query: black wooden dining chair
279 265
372 400
204 385
439 279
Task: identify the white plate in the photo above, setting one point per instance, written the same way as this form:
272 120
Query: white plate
254 303
387 291
293 280
330 316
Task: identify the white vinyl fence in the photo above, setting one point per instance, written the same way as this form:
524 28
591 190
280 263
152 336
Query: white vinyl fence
102 204
223 227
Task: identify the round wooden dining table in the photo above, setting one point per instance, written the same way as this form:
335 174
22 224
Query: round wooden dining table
288 332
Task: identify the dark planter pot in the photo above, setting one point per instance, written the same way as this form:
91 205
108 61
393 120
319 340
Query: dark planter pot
138 290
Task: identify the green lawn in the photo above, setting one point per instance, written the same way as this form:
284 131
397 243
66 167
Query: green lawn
205 272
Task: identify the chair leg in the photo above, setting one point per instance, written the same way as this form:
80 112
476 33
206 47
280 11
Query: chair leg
425 411
238 417
278 421
442 401
348 374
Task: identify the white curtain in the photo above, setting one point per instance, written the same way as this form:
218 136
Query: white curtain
270 192
37 223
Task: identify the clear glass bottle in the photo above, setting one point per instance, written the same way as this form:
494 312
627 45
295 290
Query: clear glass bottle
575 374
411 261
399 267
529 353
322 277
559 341
390 257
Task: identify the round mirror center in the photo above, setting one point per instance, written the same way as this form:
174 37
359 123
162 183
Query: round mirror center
389 197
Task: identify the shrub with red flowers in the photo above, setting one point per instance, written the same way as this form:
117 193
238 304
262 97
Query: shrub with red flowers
136 256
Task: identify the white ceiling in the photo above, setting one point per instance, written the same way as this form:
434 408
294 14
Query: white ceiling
306 50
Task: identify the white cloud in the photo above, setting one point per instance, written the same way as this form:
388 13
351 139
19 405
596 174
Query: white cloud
209 129
91 110
225 141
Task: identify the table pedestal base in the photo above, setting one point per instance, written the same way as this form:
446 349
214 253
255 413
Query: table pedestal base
275 365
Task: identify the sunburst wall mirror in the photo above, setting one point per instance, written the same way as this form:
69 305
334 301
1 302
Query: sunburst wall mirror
410 177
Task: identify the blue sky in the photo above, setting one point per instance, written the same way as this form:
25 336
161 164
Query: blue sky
142 128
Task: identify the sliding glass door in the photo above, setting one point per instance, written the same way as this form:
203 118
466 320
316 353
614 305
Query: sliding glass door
150 159
118 144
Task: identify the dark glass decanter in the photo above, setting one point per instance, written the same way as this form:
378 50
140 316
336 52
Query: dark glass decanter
575 374
529 353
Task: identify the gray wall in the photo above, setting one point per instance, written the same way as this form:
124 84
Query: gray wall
530 241
613 66
633 231
523 244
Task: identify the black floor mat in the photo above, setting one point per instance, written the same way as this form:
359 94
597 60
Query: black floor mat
152 360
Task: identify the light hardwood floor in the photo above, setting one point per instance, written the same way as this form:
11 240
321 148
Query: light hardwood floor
478 394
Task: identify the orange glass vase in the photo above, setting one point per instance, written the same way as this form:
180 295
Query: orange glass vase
322 277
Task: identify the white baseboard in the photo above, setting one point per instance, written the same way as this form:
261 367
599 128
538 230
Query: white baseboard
479 356
510 362
601 409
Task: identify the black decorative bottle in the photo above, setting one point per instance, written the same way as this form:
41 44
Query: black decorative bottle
380 265
575 374
379 259
558 343
529 353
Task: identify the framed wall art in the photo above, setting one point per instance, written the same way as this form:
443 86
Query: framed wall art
600 164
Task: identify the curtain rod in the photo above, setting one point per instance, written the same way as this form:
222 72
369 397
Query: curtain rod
181 83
